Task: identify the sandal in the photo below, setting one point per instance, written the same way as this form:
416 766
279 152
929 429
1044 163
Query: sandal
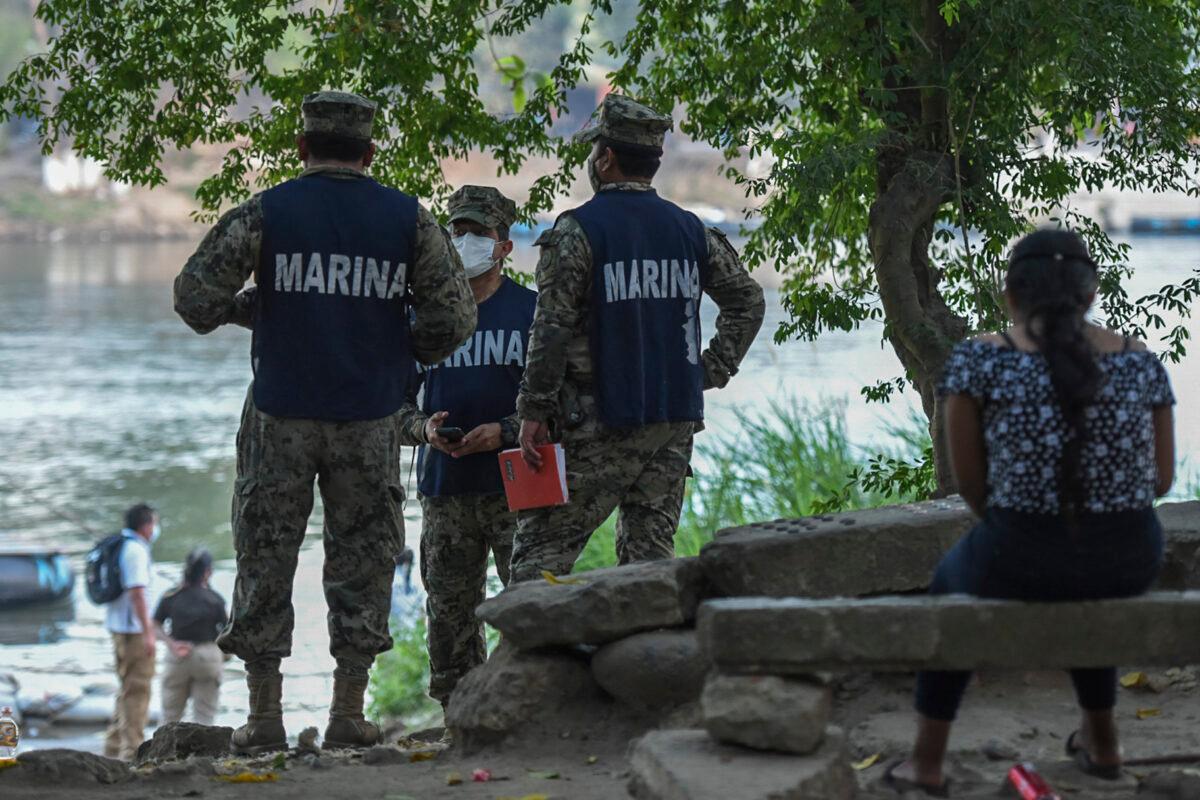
902 785
1083 760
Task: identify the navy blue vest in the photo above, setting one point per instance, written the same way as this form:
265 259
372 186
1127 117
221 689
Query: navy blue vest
331 327
478 384
649 267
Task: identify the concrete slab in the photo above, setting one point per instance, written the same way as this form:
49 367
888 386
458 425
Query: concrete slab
875 551
798 636
886 550
688 765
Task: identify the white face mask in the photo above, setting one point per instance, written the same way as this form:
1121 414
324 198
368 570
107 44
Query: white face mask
475 252
154 534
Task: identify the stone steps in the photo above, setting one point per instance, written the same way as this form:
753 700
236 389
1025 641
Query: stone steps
799 636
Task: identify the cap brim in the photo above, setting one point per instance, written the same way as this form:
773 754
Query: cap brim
474 216
587 135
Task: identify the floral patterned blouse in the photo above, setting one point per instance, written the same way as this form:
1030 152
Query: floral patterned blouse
1024 429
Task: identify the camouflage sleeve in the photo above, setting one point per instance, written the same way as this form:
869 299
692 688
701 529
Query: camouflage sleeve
227 256
563 273
740 305
443 306
410 418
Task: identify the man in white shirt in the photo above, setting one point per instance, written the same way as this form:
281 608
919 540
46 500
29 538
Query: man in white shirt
128 620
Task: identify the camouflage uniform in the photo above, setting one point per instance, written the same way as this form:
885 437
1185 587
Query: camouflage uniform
355 463
459 530
640 471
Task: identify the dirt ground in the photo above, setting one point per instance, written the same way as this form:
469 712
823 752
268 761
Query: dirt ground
1005 718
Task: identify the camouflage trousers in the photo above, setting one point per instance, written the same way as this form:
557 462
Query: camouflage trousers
640 471
457 533
356 466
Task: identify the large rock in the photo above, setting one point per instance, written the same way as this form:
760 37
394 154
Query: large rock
599 606
515 690
766 712
875 551
70 766
688 765
177 740
798 636
655 669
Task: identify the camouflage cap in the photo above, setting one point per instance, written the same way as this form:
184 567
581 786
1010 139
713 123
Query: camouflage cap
338 113
626 120
483 204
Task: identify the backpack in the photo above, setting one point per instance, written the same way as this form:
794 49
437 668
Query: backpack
102 570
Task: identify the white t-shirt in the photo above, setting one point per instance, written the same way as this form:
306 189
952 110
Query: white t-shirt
135 572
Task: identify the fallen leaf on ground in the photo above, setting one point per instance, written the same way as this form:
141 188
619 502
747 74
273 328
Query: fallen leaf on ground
557 581
6 763
1134 680
1146 713
249 777
546 775
866 762
481 776
423 755
593 759
453 779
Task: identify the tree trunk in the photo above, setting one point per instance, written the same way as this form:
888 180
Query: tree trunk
920 326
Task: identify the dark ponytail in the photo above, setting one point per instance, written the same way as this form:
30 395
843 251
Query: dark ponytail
1051 280
198 563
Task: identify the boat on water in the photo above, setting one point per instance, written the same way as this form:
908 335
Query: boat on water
32 576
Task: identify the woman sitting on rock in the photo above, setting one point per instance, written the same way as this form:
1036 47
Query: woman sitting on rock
1060 436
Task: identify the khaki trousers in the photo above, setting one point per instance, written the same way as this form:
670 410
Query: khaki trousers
135 670
196 675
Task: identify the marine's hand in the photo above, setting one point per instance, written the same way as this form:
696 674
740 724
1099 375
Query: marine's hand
148 643
181 649
243 307
482 439
533 433
437 442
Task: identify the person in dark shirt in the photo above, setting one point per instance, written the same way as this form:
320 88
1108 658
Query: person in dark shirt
188 619
464 510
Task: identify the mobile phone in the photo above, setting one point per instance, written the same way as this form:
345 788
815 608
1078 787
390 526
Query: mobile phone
450 434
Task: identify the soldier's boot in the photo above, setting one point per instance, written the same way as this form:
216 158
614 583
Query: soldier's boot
347 725
263 731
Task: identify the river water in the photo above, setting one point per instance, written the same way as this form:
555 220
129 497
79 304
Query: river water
107 398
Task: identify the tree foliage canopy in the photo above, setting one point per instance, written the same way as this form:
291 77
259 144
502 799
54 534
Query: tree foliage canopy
891 128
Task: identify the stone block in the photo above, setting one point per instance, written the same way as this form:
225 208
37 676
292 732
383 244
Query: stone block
515 689
1181 535
70 766
766 712
599 606
654 669
874 551
177 740
798 636
688 765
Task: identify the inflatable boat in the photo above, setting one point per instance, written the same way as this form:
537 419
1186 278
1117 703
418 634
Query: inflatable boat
34 577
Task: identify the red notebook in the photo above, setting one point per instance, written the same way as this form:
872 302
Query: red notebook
525 488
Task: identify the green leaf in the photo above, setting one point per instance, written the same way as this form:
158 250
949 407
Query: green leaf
519 98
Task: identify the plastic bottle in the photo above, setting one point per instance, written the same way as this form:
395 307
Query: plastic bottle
1029 784
10 734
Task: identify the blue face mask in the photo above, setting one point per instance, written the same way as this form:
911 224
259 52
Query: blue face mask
154 534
